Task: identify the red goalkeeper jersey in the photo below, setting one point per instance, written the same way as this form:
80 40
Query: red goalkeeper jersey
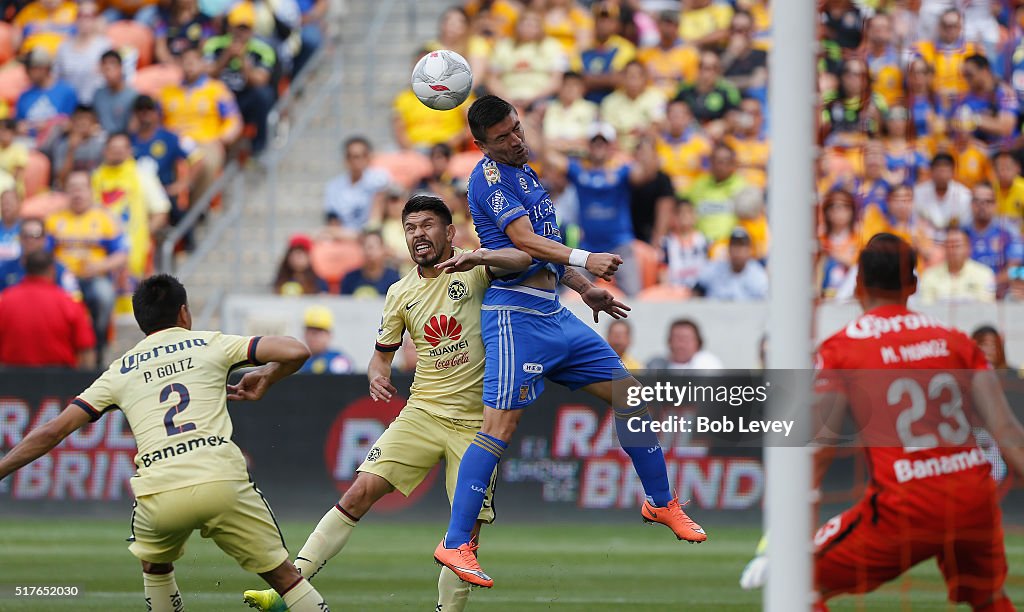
907 379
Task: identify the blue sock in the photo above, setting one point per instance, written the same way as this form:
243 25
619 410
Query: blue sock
645 451
475 472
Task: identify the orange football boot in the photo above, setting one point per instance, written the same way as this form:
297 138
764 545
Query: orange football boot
673 517
462 561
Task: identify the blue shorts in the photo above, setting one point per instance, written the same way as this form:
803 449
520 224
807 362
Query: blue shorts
523 348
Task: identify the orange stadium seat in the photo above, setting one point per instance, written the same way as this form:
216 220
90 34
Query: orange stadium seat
152 79
663 293
37 174
405 167
135 35
463 163
333 259
647 259
44 204
13 81
6 42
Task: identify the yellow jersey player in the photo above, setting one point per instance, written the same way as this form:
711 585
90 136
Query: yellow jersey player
190 475
439 305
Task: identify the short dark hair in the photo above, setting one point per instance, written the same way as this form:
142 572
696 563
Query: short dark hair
979 61
9 123
571 74
943 157
112 55
887 264
144 102
487 111
424 202
38 263
1005 152
157 302
687 323
83 108
358 139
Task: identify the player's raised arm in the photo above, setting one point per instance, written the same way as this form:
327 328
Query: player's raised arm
281 356
990 403
379 374
520 232
498 261
42 439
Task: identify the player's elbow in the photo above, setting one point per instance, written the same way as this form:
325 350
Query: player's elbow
298 352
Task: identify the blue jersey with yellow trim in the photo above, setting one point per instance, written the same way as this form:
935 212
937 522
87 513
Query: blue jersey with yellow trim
498 195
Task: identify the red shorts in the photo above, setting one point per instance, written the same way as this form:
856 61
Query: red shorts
869 545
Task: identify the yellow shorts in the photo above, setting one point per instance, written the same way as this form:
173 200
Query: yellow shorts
414 443
231 512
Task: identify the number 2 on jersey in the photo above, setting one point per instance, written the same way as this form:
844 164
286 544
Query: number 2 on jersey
176 409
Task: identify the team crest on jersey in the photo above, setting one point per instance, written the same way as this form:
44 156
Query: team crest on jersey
374 454
457 290
524 184
524 392
491 173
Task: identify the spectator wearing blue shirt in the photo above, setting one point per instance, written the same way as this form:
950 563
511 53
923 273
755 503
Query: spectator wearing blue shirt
740 278
322 359
989 108
171 153
350 198
10 225
32 236
313 12
47 98
992 244
375 276
603 190
603 63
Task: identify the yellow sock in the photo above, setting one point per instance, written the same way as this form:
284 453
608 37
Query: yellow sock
327 540
162 593
304 598
452 593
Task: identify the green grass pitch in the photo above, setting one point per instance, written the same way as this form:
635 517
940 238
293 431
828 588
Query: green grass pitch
560 567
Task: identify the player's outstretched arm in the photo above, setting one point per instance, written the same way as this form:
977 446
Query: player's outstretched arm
520 232
379 373
42 439
1006 430
600 300
283 356
499 261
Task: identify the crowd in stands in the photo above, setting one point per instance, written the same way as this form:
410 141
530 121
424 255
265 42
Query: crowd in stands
116 116
649 130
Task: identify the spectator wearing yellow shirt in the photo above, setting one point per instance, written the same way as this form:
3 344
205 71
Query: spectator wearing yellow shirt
972 163
494 18
959 279
603 62
620 337
671 61
454 34
89 242
705 23
714 195
528 67
417 126
748 140
1009 188
132 192
897 217
13 154
204 110
883 59
568 117
682 149
45 24
569 24
635 108
946 57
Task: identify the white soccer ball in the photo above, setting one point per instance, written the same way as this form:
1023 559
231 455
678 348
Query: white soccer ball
442 79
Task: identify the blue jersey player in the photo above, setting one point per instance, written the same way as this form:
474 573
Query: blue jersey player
528 336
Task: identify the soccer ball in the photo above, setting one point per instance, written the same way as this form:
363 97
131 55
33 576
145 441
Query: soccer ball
442 79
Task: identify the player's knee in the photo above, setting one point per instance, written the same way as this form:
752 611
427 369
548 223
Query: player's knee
363 493
500 424
157 569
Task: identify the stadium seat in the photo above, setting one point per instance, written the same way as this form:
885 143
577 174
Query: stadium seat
44 204
151 80
333 259
648 260
37 174
6 42
405 167
663 293
134 35
463 163
13 81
